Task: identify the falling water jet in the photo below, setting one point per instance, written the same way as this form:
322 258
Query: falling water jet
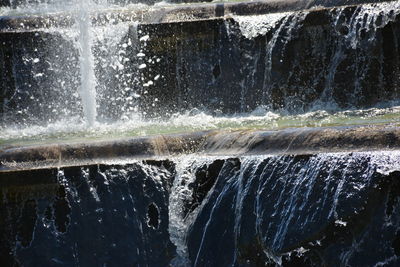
87 90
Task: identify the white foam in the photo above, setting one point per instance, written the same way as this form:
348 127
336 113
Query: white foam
133 124
258 25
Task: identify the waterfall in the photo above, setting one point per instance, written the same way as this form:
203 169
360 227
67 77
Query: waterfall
177 225
321 209
356 32
260 209
291 70
213 211
283 63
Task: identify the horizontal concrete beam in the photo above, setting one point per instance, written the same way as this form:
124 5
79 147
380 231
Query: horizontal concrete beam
299 141
171 13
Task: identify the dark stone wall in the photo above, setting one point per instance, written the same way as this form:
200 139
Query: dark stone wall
192 60
305 210
297 211
310 63
39 78
87 216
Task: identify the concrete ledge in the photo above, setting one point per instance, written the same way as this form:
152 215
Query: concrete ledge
293 141
171 13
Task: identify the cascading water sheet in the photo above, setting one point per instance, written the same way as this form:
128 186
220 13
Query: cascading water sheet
342 64
214 211
288 209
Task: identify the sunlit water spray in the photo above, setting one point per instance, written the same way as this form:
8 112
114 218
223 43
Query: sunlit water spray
87 89
109 52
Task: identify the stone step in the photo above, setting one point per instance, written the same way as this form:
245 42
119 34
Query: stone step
291 141
172 13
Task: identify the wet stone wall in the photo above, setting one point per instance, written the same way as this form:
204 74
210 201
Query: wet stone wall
334 58
86 216
338 58
338 209
325 210
39 81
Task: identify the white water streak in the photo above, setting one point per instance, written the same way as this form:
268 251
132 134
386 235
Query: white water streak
253 26
87 89
180 193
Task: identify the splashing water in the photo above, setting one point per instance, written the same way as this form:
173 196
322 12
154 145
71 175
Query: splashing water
107 83
188 122
177 224
306 190
87 89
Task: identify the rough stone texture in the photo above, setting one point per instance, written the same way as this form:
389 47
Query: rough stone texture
87 216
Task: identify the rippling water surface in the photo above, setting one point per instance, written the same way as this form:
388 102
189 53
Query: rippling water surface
73 129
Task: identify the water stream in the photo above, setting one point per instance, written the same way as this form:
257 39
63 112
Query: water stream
331 208
86 59
96 81
91 82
